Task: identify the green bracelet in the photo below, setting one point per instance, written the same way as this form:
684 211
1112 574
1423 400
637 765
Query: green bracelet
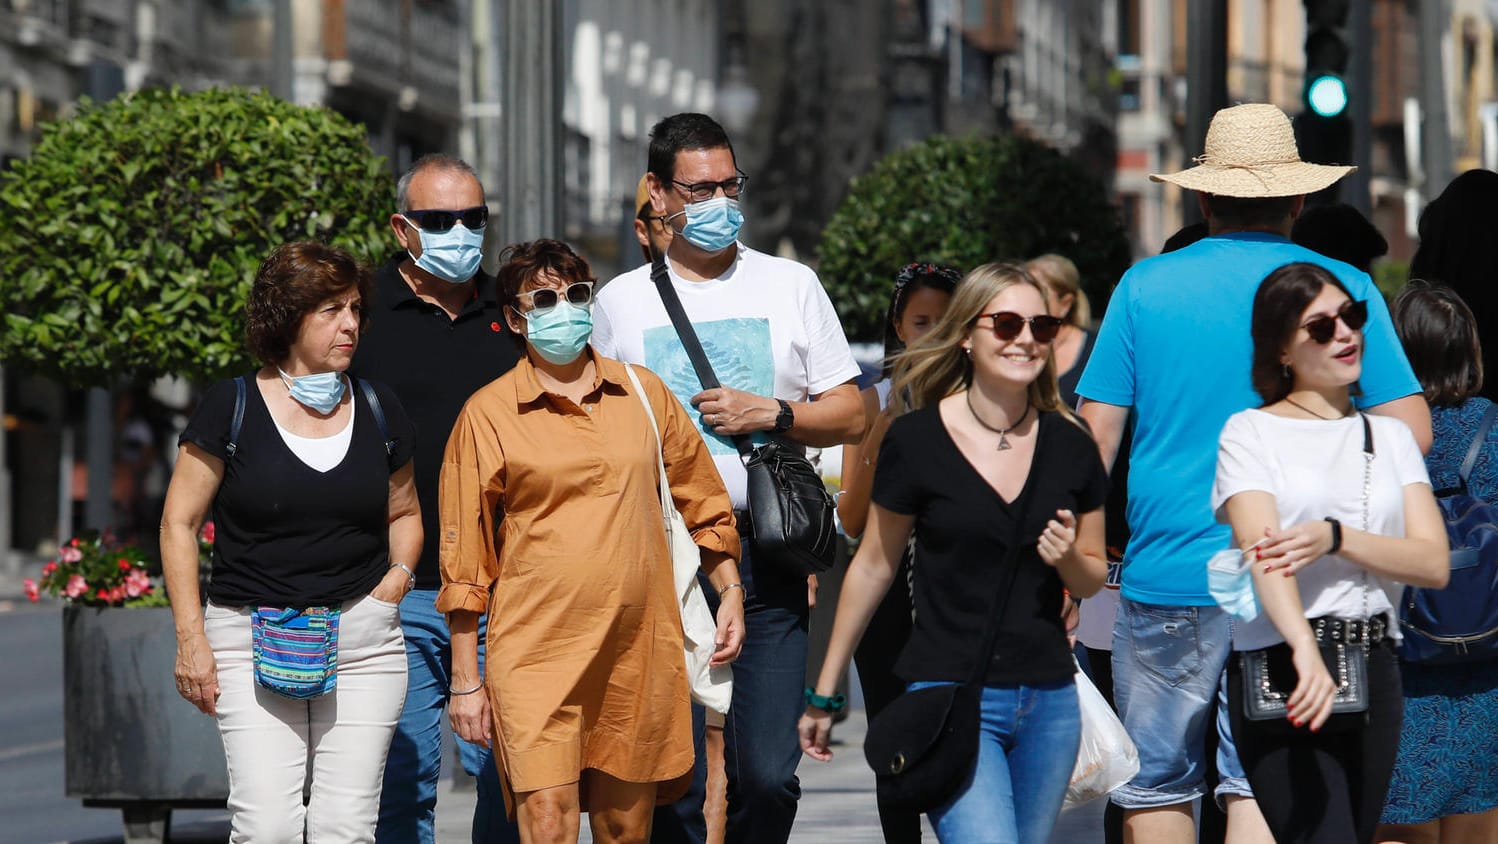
833 704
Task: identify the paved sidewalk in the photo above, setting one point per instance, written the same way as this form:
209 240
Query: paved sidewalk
837 802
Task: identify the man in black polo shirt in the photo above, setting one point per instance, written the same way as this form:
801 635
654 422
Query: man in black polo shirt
438 335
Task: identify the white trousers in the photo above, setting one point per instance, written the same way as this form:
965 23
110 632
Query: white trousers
309 770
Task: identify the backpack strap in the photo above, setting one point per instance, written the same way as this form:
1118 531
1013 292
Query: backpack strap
379 414
238 420
1475 447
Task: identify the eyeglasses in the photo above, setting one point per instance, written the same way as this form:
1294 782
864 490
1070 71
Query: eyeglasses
1354 315
1007 325
544 298
700 191
436 220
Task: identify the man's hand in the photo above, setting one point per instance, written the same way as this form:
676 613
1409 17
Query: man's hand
729 412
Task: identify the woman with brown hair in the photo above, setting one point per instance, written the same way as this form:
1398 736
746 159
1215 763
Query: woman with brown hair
552 523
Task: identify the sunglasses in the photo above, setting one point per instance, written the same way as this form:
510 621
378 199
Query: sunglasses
1353 314
543 298
436 220
1007 325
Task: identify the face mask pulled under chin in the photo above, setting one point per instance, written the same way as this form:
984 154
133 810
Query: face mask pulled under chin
1230 581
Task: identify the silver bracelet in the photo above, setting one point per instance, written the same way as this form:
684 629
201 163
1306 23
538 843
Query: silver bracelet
724 590
453 691
410 575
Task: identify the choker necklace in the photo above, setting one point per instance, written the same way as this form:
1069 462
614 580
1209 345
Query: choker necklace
1314 413
1002 432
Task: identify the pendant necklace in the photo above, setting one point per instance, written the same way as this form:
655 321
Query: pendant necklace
1307 410
1002 432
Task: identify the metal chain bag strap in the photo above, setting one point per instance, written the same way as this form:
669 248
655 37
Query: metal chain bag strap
792 514
1269 673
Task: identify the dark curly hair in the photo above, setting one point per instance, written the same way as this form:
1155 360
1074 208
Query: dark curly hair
291 282
1281 299
523 262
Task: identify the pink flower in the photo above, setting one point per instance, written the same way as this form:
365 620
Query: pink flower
137 583
102 594
32 591
70 553
208 532
48 569
124 564
116 595
76 587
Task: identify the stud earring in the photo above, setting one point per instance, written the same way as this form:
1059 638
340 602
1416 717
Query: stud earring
1285 371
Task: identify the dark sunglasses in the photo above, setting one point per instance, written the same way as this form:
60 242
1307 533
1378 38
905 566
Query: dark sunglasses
436 220
1353 314
1007 325
542 298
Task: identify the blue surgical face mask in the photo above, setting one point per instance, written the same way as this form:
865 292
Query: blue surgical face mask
712 224
1230 580
453 255
559 333
321 391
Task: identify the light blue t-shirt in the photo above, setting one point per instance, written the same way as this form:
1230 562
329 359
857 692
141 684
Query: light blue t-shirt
1175 346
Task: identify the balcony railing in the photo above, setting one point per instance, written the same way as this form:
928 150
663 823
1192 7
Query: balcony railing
391 45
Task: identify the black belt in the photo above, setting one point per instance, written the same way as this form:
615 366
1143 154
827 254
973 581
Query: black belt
745 523
1352 632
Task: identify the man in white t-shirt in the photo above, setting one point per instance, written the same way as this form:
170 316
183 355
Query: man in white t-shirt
776 345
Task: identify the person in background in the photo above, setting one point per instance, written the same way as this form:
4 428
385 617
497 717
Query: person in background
921 295
1340 231
999 483
1330 507
1457 248
442 336
315 511
552 525
1445 784
1068 301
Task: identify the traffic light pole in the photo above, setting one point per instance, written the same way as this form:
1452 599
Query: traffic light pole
1435 136
1357 188
1207 61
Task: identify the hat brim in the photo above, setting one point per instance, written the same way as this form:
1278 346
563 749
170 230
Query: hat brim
1294 178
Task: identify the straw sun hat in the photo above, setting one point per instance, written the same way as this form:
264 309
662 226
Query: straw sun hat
1250 152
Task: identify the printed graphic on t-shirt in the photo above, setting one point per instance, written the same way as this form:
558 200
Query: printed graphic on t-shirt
738 349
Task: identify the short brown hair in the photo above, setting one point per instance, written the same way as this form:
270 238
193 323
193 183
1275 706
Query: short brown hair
523 262
1281 299
1250 212
293 280
1439 335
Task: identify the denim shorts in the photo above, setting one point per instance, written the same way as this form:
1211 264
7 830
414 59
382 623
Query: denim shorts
1168 671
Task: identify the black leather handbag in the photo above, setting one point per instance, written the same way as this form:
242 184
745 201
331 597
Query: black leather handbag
924 745
792 512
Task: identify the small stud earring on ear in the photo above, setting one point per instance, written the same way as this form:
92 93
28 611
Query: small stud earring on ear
1285 371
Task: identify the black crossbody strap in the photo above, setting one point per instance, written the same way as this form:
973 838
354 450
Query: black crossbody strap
379 414
688 336
238 421
1475 448
1006 577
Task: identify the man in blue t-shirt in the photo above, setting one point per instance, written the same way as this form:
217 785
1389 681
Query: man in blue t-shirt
1175 348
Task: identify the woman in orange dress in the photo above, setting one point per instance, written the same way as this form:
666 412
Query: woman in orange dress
551 522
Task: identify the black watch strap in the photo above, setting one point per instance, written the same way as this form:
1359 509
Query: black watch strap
786 418
1336 535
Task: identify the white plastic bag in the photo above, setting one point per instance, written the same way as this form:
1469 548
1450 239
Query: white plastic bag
1107 757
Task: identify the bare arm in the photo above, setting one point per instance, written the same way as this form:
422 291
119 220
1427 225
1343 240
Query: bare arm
830 418
469 714
1076 546
859 460
1412 411
1422 557
405 535
1107 422
194 483
869 576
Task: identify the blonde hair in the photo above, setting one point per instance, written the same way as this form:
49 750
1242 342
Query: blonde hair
1060 276
936 366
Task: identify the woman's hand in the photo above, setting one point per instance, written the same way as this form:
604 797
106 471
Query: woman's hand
1058 541
815 729
197 672
1311 702
470 717
393 586
1295 547
729 639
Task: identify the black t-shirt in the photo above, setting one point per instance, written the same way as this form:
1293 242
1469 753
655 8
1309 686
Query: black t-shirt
286 534
433 364
964 529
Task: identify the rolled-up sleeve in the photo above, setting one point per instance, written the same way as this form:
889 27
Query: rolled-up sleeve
696 487
471 491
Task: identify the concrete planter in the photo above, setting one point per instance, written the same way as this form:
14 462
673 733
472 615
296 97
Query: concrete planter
131 741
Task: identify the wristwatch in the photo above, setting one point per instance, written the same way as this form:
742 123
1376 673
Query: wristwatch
830 704
785 419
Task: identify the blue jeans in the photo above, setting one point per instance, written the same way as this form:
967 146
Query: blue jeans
409 800
1027 747
760 745
1168 664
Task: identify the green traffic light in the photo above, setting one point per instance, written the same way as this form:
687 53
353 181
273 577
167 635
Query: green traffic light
1327 95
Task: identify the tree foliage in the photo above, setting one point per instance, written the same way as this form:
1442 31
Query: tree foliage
964 202
134 229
